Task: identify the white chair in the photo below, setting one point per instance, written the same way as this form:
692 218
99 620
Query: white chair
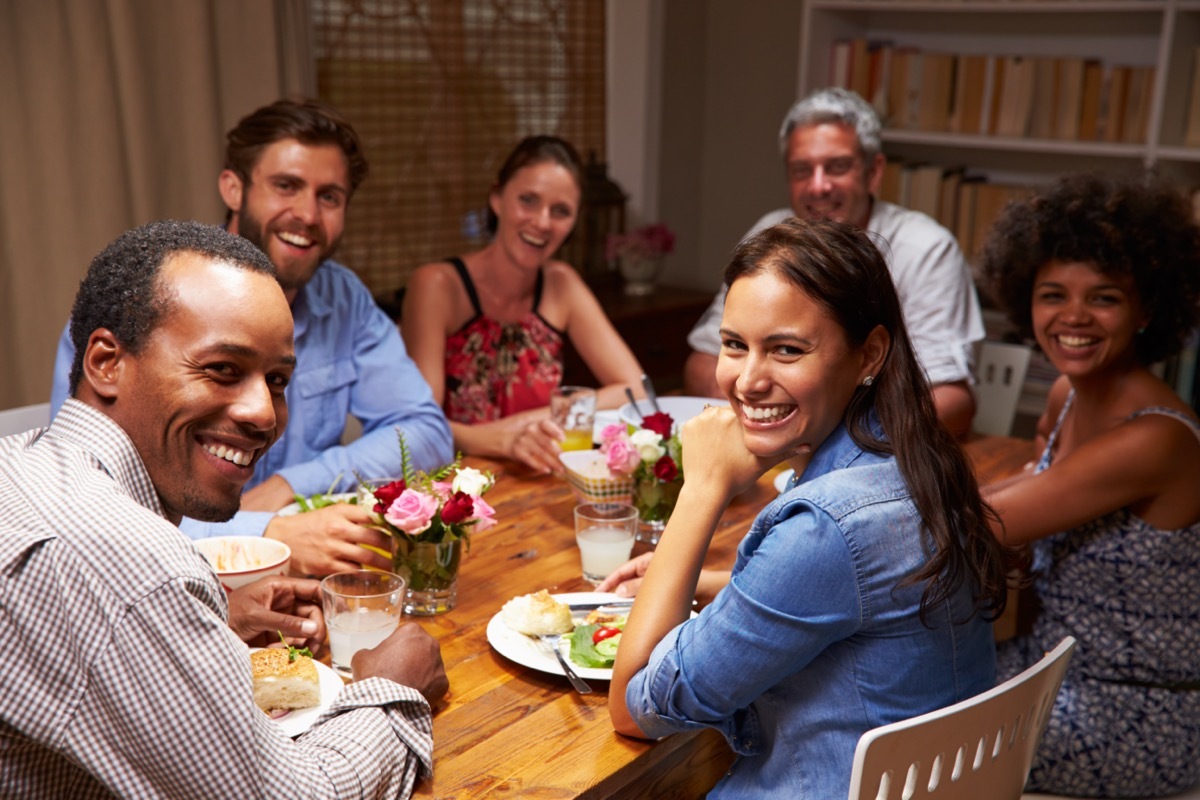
979 749
999 378
19 420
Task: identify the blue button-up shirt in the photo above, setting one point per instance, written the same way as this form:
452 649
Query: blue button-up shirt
812 643
350 361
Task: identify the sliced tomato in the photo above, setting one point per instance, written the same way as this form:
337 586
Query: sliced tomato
603 633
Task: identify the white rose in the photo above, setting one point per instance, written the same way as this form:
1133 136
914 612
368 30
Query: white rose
648 444
471 481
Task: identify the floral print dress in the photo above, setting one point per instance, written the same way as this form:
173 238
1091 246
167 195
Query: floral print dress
1126 722
495 369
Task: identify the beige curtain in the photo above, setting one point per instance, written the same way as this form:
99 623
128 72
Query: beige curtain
113 114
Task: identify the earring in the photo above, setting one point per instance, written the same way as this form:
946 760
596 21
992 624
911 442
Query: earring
867 381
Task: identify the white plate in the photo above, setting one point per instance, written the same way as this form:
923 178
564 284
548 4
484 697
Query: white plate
529 652
300 720
681 409
294 508
781 480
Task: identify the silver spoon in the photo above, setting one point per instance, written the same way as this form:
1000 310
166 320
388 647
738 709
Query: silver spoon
633 402
648 387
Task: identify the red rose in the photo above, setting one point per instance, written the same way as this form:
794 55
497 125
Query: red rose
459 507
386 495
665 469
660 423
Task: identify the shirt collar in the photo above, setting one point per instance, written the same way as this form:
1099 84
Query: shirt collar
839 451
107 442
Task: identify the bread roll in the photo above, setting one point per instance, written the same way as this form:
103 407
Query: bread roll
537 614
281 684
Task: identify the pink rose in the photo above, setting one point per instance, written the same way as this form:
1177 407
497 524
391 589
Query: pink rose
411 512
442 489
486 515
622 457
611 433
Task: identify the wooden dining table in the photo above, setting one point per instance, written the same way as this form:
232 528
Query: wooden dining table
508 730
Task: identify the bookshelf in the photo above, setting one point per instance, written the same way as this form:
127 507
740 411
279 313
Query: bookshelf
1010 135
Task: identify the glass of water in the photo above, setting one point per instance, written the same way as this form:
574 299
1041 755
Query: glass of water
362 608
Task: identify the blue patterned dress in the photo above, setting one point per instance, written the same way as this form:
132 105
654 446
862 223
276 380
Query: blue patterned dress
1127 720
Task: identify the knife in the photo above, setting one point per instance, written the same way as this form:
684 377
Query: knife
593 606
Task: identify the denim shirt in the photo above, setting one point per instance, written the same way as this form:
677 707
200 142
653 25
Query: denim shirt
350 360
812 643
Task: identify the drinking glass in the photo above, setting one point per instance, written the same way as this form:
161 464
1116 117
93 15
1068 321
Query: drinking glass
605 533
573 408
362 608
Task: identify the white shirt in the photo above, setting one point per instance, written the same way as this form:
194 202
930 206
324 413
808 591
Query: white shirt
932 280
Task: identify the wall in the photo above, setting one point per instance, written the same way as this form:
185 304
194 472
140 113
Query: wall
727 74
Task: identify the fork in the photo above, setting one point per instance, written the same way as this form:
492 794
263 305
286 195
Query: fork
551 640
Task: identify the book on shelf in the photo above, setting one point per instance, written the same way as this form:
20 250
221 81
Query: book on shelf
1068 97
993 94
1139 90
970 72
1016 96
860 67
990 200
1089 104
880 75
964 218
936 92
891 185
1112 103
947 215
925 188
839 64
904 84
1043 110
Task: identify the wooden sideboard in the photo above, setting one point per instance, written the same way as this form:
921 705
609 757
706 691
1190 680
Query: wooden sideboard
654 326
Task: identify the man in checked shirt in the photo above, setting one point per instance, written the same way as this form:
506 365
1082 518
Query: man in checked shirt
124 676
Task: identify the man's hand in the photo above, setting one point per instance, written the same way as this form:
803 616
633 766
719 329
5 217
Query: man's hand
626 579
329 540
260 611
409 656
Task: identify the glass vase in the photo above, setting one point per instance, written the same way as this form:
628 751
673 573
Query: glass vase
431 570
654 500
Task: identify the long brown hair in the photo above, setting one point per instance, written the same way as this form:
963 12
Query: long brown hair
840 269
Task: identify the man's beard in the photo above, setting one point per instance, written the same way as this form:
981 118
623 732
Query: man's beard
253 231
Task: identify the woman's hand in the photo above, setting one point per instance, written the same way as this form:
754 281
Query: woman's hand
536 444
714 453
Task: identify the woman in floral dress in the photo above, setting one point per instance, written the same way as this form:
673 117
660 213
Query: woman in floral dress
487 329
1105 274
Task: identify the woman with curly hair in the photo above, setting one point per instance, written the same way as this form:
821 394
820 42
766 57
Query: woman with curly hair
1105 274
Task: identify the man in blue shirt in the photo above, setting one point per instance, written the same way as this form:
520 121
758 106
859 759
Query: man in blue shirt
290 170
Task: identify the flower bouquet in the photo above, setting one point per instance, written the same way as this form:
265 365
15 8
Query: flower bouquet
431 516
640 254
652 456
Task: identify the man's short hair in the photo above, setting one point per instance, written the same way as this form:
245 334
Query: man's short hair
840 106
307 121
121 291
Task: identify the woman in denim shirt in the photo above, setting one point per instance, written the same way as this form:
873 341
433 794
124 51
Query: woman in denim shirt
861 596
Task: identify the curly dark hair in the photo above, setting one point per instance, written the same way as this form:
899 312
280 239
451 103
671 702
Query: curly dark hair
307 121
537 150
121 292
1131 226
840 268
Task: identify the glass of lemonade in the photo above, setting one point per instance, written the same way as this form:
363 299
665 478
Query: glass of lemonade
573 408
605 533
362 608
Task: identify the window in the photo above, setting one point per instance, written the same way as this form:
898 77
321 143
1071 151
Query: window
440 92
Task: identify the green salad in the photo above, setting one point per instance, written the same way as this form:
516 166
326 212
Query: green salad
596 645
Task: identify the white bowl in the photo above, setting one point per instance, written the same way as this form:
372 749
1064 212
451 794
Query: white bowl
681 409
239 560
